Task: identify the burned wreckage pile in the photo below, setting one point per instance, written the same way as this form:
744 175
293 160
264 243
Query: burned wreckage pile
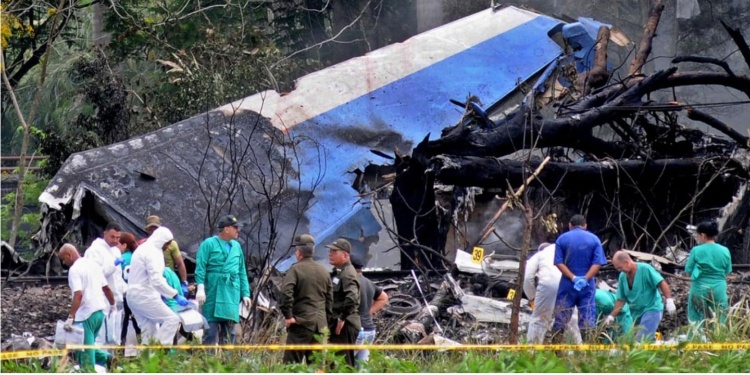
619 145
616 144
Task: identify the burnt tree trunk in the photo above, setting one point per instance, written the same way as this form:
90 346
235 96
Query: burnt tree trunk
644 175
417 223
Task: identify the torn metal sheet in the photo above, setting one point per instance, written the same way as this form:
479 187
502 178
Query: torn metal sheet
646 257
388 99
9 258
485 309
433 339
496 265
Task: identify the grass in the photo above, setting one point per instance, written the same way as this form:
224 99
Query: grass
736 329
417 362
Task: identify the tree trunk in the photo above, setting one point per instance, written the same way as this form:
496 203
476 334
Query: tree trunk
26 123
100 38
529 215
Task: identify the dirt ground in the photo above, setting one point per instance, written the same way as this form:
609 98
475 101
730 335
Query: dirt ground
33 309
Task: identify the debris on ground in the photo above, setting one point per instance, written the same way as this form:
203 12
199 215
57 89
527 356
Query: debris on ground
33 309
460 310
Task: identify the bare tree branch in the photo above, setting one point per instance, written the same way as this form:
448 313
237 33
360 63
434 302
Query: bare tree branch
329 40
736 35
704 60
713 122
649 31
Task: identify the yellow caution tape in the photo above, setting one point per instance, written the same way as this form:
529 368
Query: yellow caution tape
25 354
505 347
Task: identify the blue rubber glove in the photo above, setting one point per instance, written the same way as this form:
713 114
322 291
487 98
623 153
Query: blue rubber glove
118 262
181 300
185 287
580 283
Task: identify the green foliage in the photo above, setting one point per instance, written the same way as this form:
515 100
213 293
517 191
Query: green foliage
164 361
34 186
182 58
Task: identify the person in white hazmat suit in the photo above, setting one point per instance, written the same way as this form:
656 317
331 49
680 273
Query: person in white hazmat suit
105 253
543 294
146 286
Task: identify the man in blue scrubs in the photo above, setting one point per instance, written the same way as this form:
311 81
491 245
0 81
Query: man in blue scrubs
578 255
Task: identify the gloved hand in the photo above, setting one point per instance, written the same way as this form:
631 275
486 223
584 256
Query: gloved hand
118 262
579 283
112 309
200 295
609 320
670 307
68 326
247 301
184 288
182 301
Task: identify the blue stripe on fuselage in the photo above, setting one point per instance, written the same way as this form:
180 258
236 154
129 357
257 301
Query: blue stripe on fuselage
415 105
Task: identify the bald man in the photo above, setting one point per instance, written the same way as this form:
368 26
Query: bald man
91 298
641 287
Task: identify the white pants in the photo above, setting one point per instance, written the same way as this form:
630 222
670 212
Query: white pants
543 315
130 342
150 311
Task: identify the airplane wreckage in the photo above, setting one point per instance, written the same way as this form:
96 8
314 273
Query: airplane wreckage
408 150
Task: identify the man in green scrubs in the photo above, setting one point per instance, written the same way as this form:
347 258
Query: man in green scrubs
91 298
221 277
639 285
708 266
605 303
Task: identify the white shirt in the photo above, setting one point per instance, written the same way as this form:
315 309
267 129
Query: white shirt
541 265
147 266
104 255
85 276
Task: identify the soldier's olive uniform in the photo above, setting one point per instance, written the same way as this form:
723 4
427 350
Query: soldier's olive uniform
306 295
345 307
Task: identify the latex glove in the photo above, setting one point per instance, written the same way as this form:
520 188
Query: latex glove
182 301
200 295
580 283
609 320
68 326
670 307
247 301
185 290
112 309
118 261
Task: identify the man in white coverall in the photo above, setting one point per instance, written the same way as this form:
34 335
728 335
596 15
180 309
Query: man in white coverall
146 286
105 253
544 294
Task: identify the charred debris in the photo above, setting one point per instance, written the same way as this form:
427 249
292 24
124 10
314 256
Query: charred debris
614 143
